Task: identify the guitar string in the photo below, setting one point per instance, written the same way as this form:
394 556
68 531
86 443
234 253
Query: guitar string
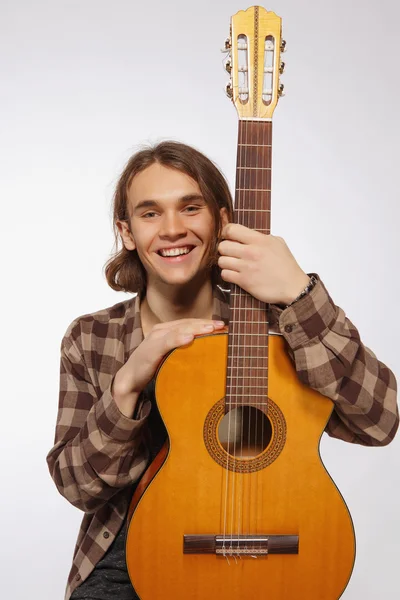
236 478
267 225
237 387
240 490
246 184
227 404
246 299
256 220
249 311
246 311
260 375
234 372
254 419
229 407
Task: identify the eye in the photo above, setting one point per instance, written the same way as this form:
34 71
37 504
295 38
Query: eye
194 207
148 214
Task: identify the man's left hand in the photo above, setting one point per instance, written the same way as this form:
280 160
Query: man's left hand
260 264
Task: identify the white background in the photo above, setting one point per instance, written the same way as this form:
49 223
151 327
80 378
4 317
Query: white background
83 84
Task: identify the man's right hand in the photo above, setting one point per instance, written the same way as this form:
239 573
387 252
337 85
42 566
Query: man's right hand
141 366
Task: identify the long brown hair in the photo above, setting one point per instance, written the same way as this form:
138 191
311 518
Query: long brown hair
124 270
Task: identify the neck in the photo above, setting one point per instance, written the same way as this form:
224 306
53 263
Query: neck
176 302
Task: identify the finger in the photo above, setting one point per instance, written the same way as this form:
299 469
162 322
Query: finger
227 262
230 248
167 325
239 233
231 276
196 329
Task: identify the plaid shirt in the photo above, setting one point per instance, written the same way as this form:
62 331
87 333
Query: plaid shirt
99 453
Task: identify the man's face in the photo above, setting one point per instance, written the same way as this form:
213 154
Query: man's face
168 215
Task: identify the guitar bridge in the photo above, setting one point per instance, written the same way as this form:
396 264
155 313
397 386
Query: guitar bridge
241 545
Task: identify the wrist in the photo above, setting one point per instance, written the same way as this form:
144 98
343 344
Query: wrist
296 290
125 401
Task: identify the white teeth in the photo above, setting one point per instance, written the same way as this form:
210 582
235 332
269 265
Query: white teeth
175 251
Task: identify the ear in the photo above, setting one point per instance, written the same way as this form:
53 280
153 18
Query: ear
126 235
224 216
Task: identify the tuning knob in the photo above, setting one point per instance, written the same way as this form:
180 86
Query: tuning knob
281 67
281 90
227 44
228 65
283 45
229 89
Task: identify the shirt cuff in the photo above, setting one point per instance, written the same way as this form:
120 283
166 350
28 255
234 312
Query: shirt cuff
113 423
309 317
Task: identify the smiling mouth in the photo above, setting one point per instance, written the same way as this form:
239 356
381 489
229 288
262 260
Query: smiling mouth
175 252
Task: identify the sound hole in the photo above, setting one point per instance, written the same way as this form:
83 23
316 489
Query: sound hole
245 432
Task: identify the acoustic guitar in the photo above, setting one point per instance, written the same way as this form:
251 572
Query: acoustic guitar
238 504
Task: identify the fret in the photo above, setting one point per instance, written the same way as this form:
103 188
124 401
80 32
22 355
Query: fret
262 387
250 396
252 377
257 145
247 368
250 190
249 333
232 322
252 346
260 368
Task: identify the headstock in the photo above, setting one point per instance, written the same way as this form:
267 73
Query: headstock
254 63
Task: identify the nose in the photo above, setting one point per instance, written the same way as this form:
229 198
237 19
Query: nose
172 226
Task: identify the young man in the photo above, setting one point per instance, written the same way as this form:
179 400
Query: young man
172 208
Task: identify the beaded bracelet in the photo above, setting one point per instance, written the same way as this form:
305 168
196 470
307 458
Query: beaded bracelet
307 289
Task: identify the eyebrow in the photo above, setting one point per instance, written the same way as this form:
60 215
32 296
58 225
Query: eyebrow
155 204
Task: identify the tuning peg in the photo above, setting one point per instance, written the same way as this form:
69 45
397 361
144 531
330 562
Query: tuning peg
281 67
228 65
227 45
229 89
281 90
283 45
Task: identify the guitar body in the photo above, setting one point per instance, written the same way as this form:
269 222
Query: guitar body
283 490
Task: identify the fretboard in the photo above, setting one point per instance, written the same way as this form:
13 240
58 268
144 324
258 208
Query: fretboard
247 368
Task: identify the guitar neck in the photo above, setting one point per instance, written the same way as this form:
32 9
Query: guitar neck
253 175
248 323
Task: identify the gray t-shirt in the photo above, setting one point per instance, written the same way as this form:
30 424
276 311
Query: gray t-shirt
109 579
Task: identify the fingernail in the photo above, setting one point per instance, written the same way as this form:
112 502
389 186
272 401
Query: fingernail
219 323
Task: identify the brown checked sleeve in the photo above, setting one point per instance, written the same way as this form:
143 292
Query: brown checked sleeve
330 357
97 449
98 453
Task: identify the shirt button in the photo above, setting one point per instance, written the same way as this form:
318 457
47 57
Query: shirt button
288 328
106 534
